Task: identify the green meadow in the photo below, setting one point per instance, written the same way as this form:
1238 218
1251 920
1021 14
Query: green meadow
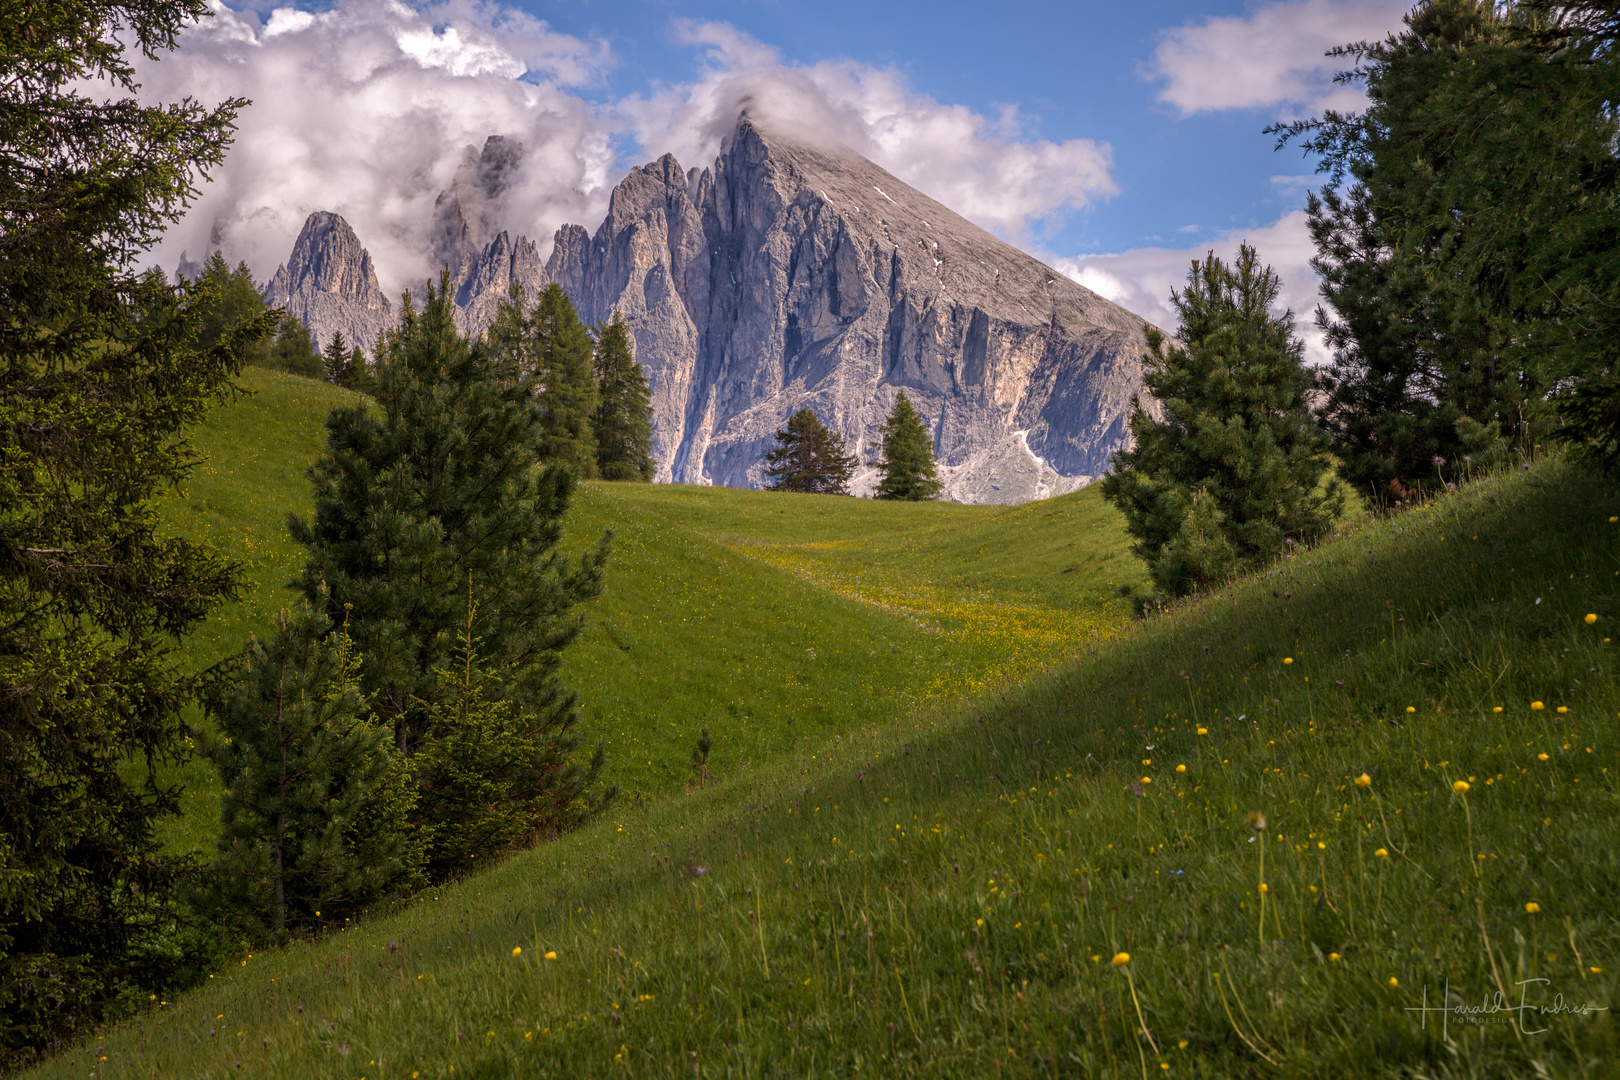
1352 816
768 619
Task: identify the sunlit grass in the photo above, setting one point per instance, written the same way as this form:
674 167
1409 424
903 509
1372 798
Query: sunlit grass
715 612
946 893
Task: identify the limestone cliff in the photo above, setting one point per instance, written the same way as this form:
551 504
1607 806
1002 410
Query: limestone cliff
785 276
790 276
330 284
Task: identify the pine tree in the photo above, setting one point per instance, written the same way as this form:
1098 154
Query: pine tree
357 375
809 458
100 380
301 763
435 489
294 350
1237 451
485 773
549 342
907 466
622 424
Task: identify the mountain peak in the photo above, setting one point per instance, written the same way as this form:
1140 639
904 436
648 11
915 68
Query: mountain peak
330 283
797 274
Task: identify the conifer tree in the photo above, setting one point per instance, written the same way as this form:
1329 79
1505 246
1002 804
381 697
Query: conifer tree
294 350
907 465
434 490
809 458
622 423
549 342
101 377
485 775
229 300
1424 372
302 762
1237 451
335 360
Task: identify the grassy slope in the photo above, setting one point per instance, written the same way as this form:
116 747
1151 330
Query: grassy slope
254 453
941 895
719 608
773 619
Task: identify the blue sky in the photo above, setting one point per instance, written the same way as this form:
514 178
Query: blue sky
1072 70
1114 141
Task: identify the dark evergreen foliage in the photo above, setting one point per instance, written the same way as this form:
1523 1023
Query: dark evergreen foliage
622 424
344 366
294 349
1234 471
100 377
335 359
433 491
302 763
229 300
907 466
809 458
1468 241
549 343
486 775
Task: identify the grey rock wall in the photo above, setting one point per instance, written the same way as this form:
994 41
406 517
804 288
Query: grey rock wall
330 284
789 276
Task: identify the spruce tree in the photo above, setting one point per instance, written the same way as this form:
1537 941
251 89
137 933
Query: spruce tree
622 424
435 489
357 375
549 343
101 378
1416 257
1237 451
302 762
294 350
335 360
907 465
809 458
227 301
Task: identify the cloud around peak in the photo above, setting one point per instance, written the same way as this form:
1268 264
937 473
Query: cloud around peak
987 169
369 107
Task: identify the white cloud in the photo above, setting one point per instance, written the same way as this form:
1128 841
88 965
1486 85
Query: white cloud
1140 280
984 169
368 107
1271 57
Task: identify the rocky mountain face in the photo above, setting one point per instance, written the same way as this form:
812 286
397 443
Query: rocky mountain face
329 283
483 261
788 276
